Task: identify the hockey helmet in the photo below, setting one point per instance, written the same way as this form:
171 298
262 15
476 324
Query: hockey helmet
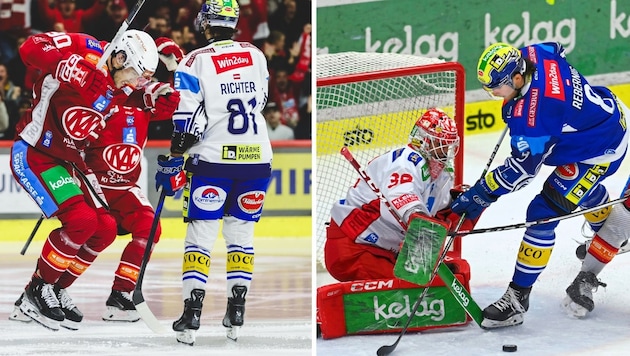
498 64
435 136
217 13
140 52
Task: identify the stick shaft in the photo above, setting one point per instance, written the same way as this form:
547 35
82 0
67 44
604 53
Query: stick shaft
123 27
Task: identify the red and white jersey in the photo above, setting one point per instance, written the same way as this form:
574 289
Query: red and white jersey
43 51
224 87
61 119
115 157
403 177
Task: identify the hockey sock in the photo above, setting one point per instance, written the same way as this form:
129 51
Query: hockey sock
239 266
57 254
195 269
533 256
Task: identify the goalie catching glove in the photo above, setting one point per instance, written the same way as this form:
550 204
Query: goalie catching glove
90 81
170 175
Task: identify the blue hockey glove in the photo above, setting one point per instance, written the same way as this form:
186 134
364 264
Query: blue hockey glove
473 202
170 175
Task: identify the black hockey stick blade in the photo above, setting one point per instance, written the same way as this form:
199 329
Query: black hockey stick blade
138 299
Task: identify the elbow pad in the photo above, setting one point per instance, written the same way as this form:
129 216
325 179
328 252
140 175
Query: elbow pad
181 142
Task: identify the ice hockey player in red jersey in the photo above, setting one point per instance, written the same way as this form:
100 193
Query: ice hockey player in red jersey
115 159
72 99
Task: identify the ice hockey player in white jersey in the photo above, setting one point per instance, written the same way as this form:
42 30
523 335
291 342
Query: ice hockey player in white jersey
219 122
364 238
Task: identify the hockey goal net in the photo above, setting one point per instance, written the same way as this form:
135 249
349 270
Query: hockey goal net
369 102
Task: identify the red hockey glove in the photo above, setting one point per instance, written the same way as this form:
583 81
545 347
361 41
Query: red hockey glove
167 104
83 75
452 219
169 52
155 90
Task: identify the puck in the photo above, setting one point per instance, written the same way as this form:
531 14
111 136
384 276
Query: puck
509 348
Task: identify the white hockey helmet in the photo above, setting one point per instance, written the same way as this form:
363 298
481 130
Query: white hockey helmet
434 136
140 52
217 13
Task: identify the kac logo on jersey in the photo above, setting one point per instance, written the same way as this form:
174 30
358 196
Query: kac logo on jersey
122 158
251 202
209 198
229 61
79 122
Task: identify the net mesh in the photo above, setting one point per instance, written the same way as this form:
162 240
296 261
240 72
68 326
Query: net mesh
369 102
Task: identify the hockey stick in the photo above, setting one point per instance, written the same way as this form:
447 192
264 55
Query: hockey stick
30 238
542 221
388 349
138 299
123 27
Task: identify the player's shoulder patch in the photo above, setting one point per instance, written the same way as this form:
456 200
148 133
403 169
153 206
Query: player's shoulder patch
414 158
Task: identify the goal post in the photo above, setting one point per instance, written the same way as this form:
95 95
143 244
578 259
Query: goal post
369 102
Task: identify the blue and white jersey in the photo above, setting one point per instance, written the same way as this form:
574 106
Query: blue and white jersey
558 119
224 88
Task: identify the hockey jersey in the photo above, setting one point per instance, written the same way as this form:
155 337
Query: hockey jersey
223 88
61 119
403 177
557 119
115 157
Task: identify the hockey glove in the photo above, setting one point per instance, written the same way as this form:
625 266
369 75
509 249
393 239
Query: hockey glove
170 175
83 75
451 219
473 202
154 90
169 52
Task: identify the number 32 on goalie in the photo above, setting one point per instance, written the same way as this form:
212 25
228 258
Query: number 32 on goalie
396 179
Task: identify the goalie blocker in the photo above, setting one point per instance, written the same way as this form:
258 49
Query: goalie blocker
384 305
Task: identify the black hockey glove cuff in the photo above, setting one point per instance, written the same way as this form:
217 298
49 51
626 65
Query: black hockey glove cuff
181 142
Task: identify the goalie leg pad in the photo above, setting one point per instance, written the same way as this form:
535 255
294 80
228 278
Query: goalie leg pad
347 261
380 306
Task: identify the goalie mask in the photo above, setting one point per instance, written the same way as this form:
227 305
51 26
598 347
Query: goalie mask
435 137
217 13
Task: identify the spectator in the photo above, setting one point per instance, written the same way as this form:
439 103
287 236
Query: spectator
286 21
273 48
105 27
252 24
70 18
16 67
4 116
301 55
11 92
276 129
159 26
283 92
303 129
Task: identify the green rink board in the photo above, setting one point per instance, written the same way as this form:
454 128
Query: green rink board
172 228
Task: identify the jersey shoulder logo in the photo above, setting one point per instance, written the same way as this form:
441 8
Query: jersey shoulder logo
230 61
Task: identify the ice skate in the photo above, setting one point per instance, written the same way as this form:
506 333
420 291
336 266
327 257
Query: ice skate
235 313
579 299
509 310
73 315
187 325
120 307
16 314
40 303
